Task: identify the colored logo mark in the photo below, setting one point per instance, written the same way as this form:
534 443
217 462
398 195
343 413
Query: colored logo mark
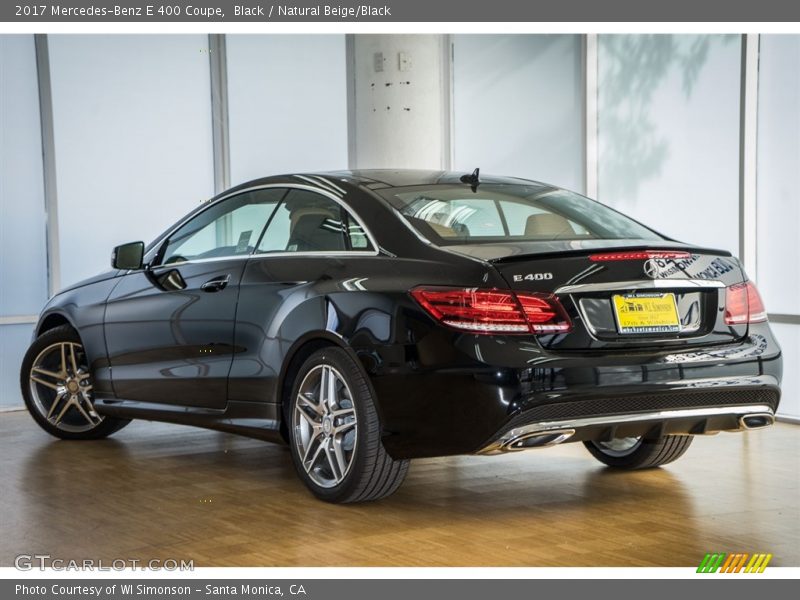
740 562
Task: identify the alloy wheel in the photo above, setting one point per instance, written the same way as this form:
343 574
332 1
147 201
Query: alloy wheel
325 426
61 388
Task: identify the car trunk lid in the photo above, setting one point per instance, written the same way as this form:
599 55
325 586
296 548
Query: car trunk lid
624 294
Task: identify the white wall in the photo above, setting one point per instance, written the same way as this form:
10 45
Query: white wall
132 120
23 250
518 106
287 103
399 115
669 133
778 208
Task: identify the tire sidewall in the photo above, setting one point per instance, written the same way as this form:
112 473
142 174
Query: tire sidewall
646 455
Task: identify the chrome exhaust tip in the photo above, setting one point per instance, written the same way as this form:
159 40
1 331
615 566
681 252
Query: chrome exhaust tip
541 439
756 421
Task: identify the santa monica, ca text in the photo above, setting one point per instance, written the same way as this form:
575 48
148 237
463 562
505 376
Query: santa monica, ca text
245 589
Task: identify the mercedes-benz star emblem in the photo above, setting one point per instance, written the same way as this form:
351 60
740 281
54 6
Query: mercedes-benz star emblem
651 268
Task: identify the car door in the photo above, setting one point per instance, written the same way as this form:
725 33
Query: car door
169 327
311 239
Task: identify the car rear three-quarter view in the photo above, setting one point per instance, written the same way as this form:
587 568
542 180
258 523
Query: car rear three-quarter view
367 318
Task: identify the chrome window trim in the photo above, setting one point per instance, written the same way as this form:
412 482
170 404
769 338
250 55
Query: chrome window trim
645 284
344 254
298 186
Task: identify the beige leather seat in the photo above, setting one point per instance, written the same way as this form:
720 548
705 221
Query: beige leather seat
548 225
297 213
442 230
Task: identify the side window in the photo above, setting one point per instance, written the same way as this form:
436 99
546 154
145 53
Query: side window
229 228
358 237
310 222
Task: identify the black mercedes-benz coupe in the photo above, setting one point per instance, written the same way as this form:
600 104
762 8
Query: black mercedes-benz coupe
370 317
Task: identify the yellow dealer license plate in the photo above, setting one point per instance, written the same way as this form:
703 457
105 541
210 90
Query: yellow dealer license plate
646 313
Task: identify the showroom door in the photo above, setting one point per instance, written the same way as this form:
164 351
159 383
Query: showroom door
169 328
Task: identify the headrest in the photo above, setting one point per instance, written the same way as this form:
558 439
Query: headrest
548 225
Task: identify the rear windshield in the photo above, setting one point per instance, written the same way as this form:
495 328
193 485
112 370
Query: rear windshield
454 214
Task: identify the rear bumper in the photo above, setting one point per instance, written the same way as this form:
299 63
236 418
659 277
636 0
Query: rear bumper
694 421
498 389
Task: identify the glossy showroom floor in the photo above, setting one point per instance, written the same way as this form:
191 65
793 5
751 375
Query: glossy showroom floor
163 491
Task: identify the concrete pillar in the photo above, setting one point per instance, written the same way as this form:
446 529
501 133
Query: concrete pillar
400 99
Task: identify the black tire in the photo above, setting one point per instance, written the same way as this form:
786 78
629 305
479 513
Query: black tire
104 426
645 455
371 474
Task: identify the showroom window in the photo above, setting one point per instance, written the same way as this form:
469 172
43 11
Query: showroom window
668 133
778 179
138 101
229 228
310 72
310 222
778 211
23 244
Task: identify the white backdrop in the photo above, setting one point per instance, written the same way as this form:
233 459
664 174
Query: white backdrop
518 106
133 140
287 103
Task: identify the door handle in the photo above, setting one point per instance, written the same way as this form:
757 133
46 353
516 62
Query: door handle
216 284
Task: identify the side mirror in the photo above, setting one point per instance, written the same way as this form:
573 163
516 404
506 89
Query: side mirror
128 256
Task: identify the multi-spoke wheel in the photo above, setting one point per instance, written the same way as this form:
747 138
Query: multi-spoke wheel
638 452
325 426
57 387
335 433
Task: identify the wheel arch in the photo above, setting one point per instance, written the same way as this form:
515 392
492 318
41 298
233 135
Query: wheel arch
51 321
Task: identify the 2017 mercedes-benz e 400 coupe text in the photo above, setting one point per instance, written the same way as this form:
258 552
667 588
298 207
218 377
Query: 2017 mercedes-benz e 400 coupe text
370 317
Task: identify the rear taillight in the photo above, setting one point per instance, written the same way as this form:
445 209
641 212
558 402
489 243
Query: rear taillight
638 255
494 311
544 312
743 304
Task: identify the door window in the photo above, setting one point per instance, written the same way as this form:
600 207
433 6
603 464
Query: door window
229 228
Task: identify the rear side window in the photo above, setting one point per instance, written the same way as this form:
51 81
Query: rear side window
309 222
454 214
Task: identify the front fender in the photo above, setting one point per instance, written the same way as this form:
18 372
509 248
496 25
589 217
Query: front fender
83 308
